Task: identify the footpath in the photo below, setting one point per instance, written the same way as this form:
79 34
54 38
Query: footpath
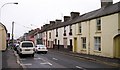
105 60
9 60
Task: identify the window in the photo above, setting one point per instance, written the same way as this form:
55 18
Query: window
80 28
49 35
97 43
64 31
83 42
57 32
98 24
70 33
27 45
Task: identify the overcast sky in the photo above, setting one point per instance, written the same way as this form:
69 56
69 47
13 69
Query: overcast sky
31 14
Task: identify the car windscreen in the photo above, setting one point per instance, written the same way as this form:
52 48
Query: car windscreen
27 45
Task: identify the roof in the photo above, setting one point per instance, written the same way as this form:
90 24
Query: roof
104 11
3 26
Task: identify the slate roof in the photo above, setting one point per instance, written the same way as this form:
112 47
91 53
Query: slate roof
104 11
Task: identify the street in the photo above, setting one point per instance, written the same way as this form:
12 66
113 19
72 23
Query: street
56 60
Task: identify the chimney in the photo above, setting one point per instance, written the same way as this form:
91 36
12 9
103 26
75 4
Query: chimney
74 14
52 22
58 21
66 18
106 3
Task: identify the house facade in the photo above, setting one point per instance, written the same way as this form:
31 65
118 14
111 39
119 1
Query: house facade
3 37
94 33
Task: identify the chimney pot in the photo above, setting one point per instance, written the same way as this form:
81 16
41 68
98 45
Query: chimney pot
106 3
58 21
74 14
66 18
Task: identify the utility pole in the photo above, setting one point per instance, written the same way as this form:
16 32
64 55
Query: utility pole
12 34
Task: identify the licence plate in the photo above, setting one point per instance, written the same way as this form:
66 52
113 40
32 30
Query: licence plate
27 49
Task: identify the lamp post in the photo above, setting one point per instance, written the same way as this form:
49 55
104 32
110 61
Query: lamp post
12 22
4 5
12 34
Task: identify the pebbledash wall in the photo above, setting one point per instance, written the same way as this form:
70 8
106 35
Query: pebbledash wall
3 37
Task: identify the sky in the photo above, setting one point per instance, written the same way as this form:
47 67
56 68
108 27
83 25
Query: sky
31 14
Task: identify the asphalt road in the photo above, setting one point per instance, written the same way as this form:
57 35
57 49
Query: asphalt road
56 60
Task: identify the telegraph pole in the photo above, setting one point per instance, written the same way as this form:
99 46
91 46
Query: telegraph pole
12 34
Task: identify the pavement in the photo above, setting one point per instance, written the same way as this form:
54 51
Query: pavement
105 60
9 60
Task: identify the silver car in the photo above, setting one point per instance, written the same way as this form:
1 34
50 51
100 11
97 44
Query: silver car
41 48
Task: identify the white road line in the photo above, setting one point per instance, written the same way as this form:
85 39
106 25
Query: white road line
27 64
22 59
37 58
54 59
80 67
46 63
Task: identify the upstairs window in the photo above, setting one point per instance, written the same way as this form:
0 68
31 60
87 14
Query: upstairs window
64 31
49 35
57 32
97 43
70 33
98 24
80 28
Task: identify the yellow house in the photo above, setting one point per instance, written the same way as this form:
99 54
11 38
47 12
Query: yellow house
3 37
98 32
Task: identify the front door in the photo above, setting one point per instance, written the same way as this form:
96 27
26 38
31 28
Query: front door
71 47
75 44
117 46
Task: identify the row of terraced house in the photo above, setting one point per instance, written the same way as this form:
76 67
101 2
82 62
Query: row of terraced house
94 33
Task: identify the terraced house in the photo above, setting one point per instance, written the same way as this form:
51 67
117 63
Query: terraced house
3 37
94 33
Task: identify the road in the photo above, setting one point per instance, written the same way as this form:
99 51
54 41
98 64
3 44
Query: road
57 60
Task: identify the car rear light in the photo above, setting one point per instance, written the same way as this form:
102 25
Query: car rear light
33 49
20 49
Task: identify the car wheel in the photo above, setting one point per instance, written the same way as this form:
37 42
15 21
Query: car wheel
32 55
45 52
20 55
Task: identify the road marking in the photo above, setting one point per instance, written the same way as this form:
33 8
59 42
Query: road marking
54 59
37 58
46 63
80 67
27 64
22 59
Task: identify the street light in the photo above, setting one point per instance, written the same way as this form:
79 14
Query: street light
6 4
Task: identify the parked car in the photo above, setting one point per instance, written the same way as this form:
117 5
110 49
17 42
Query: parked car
26 47
15 47
41 48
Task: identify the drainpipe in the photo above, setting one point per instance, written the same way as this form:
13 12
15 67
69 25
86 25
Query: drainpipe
89 38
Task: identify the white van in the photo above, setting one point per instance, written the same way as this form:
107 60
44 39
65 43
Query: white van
26 47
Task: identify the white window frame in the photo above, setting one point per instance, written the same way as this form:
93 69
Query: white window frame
98 24
97 43
83 42
80 28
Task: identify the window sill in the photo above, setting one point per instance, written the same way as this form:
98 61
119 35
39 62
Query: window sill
96 51
79 34
98 32
84 50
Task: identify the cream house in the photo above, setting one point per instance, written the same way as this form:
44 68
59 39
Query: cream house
98 32
94 33
3 37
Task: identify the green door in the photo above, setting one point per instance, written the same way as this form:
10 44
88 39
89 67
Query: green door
75 44
117 46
